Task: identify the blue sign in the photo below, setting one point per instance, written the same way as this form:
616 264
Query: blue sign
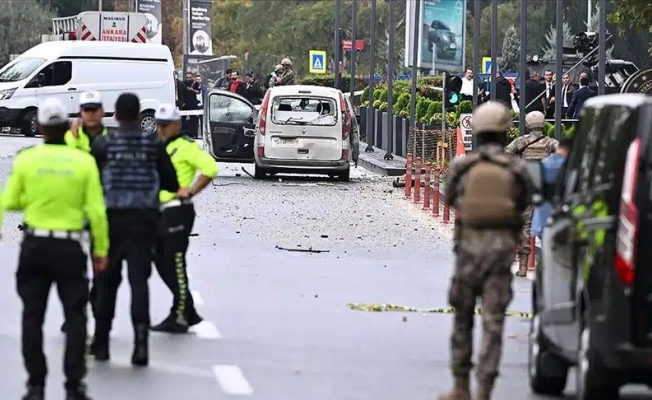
486 65
317 62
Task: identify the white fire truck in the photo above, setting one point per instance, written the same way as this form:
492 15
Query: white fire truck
101 26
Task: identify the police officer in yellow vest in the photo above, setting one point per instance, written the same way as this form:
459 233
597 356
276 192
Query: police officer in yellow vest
91 113
57 188
81 136
178 217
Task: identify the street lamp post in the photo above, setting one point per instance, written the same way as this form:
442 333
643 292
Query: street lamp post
494 47
354 35
372 77
338 44
602 53
522 75
560 66
476 48
390 83
415 60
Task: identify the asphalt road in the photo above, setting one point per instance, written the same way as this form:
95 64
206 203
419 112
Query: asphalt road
277 322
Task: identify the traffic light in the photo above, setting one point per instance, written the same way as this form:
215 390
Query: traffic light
452 96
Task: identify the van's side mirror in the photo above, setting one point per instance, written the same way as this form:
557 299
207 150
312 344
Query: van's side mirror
537 182
358 118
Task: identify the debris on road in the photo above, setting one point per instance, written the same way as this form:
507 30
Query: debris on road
308 250
443 310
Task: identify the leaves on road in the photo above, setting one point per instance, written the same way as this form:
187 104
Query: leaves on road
443 310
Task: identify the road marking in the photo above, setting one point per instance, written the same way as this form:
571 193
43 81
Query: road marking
196 297
156 366
232 380
189 275
206 330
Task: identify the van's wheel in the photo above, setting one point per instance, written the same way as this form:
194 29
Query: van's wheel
147 122
29 127
345 175
547 372
260 172
592 378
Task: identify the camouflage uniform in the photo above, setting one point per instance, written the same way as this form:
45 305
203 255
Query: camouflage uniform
288 75
530 147
278 70
482 269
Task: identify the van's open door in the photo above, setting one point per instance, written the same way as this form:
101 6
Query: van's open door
228 121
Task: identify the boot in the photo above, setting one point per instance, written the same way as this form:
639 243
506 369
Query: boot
460 391
34 393
140 356
483 392
172 324
522 265
99 347
78 393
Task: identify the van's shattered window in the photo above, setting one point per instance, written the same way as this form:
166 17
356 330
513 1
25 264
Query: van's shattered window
228 109
298 110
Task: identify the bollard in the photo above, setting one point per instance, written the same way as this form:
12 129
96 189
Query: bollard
446 218
435 193
408 176
417 180
426 186
531 265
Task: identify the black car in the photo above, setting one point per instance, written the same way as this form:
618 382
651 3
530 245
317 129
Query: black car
592 295
443 39
228 126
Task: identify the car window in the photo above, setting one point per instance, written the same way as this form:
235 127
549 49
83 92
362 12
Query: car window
304 110
619 133
57 74
20 69
223 108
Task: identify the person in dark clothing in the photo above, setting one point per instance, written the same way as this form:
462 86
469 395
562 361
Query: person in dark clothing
223 82
253 90
191 90
533 93
503 90
579 97
134 167
179 92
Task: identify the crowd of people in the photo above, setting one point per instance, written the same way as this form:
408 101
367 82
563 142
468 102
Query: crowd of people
539 92
192 91
133 192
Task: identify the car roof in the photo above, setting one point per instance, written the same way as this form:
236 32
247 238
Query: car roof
632 100
313 89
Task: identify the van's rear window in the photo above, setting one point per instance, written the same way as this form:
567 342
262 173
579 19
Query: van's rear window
304 110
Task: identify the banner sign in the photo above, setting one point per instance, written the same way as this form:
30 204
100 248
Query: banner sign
199 25
442 36
152 10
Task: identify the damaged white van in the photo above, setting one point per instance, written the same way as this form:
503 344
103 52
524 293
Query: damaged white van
306 130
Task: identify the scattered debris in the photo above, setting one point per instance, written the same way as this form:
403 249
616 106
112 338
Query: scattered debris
308 250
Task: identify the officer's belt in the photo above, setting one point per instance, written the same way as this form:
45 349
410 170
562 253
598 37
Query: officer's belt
176 203
45 233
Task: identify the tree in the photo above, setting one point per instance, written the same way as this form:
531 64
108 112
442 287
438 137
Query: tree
634 14
593 25
21 25
550 49
511 50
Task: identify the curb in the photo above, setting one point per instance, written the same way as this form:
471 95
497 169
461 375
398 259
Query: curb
380 166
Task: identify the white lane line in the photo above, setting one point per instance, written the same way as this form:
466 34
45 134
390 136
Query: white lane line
206 330
189 275
232 380
157 366
196 297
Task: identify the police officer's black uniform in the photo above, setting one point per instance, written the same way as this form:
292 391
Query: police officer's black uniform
134 167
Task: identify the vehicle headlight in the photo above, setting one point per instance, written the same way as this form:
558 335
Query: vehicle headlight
7 93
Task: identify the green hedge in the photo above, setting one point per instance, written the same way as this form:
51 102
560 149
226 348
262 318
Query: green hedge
329 80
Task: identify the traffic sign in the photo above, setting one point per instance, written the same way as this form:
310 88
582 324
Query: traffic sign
466 122
486 65
317 62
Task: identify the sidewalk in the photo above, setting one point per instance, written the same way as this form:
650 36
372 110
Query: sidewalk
374 161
